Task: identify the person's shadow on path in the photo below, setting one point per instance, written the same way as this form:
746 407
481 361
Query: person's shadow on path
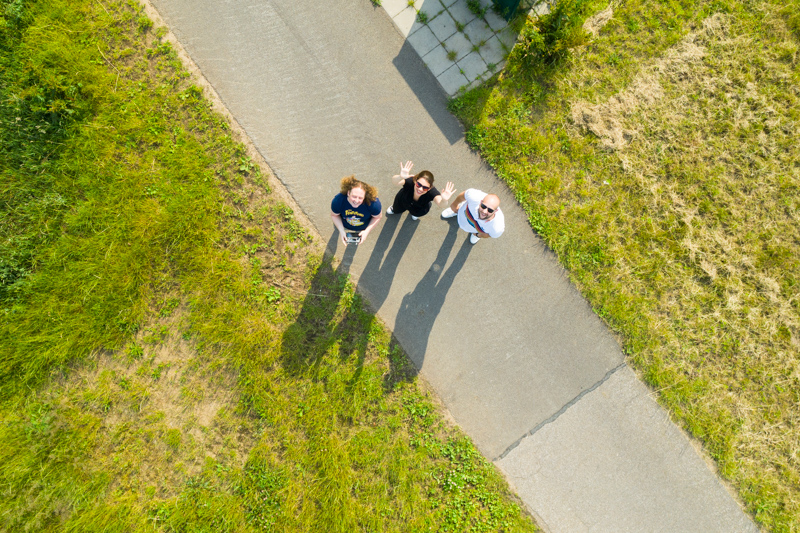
419 308
317 327
333 320
378 275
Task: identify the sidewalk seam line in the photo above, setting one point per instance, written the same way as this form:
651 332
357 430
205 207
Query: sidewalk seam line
560 412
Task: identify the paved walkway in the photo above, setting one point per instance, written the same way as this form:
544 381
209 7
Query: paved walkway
461 43
326 89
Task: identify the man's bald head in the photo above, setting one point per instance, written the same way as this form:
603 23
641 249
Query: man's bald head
488 207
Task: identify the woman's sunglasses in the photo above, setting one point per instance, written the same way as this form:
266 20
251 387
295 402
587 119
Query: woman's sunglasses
421 186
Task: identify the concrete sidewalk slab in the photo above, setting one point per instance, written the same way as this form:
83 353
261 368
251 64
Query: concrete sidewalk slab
330 89
602 447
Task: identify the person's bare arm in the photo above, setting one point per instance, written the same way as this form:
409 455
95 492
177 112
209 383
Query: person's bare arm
337 221
459 199
444 196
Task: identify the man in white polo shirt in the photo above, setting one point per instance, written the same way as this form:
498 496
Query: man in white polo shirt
478 214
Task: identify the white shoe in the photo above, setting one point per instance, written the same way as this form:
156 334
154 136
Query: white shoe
473 238
414 218
390 211
448 213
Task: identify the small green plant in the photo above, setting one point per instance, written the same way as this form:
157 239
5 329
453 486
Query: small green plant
246 165
410 3
548 39
459 27
422 17
135 351
376 2
273 295
172 438
451 55
477 8
144 24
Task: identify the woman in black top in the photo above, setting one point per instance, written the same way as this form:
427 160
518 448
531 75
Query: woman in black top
417 192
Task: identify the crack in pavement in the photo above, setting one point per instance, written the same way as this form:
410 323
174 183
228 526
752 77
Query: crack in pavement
558 413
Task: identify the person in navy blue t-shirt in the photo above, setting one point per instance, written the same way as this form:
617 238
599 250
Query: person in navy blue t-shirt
356 209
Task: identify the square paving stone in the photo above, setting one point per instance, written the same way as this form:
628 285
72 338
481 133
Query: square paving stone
461 12
493 52
458 43
393 7
437 60
443 26
508 37
423 40
472 65
452 80
405 20
416 27
495 21
429 7
477 31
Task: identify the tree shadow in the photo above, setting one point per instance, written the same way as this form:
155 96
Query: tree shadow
419 308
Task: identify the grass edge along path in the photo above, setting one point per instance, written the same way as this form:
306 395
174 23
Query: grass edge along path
176 353
659 162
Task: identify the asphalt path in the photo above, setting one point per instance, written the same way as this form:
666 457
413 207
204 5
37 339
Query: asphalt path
518 357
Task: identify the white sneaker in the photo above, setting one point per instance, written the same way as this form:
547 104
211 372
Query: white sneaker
473 238
390 211
448 213
414 218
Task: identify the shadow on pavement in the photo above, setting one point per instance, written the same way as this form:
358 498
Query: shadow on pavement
378 274
419 308
428 92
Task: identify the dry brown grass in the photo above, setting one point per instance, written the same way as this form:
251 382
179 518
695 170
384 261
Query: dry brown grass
707 206
661 164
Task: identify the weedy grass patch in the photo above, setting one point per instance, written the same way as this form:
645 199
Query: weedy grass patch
175 352
659 161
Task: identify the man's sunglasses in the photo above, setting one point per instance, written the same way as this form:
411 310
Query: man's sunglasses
421 186
488 209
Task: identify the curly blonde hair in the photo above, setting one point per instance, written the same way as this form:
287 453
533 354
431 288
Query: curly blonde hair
350 182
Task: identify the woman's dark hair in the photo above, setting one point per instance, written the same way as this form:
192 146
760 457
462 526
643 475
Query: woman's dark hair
424 174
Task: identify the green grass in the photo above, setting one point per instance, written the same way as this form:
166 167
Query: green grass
660 163
175 353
